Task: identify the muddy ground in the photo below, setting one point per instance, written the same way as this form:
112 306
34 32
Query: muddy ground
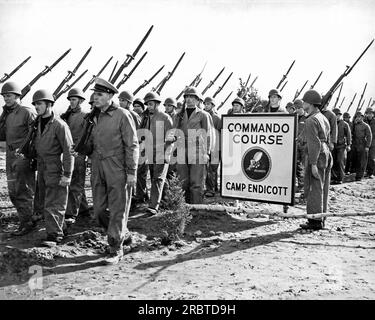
220 256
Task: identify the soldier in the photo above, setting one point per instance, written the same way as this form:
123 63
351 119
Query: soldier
274 98
139 107
348 165
125 99
290 108
179 107
197 146
370 120
75 118
114 164
318 159
14 126
362 138
344 140
331 117
237 106
160 124
170 105
213 165
53 139
301 143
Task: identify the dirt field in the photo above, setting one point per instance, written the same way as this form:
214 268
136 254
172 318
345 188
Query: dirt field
221 256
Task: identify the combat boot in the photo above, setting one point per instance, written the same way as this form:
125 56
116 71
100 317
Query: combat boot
52 240
24 228
114 257
312 225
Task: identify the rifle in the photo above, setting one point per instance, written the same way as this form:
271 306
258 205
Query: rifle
130 57
71 74
282 88
68 87
113 71
199 81
317 79
223 102
221 87
248 79
298 92
347 110
97 75
285 75
369 103
348 69
26 89
127 76
7 76
363 102
169 75
211 83
146 82
194 83
341 102
253 81
338 96
360 99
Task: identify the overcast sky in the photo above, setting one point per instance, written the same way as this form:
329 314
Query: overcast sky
261 37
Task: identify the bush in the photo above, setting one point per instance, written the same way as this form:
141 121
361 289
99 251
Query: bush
177 216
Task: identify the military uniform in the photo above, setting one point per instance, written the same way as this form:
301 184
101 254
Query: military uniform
301 145
348 164
371 153
331 117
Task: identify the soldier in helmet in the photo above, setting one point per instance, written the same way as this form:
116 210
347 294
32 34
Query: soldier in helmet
53 140
318 159
197 146
114 164
75 118
274 98
370 120
331 117
348 165
301 143
213 165
170 105
238 106
138 107
14 126
125 99
362 139
344 140
290 108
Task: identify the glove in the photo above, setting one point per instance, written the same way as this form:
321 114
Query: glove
314 171
64 181
131 180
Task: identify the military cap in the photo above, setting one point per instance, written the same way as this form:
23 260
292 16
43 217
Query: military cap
76 92
298 103
126 95
274 92
139 101
170 101
238 100
102 85
209 100
191 91
11 87
152 96
346 115
336 111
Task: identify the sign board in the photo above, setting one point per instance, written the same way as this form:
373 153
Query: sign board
258 157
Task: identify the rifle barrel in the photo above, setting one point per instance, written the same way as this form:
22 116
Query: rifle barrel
7 76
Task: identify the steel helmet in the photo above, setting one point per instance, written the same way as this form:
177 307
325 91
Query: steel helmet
346 115
289 105
209 100
238 100
11 87
126 95
170 101
76 92
369 110
274 92
191 91
298 103
312 97
359 114
139 101
336 111
152 96
41 95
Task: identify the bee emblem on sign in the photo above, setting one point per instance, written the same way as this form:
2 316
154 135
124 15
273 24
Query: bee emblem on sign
256 164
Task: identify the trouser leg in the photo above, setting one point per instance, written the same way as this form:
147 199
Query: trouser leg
77 187
341 161
141 190
159 174
196 172
211 180
371 160
184 176
362 156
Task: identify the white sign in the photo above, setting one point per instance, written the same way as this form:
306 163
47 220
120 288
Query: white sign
258 157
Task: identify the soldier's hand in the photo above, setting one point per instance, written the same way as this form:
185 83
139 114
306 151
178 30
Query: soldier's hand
170 136
206 158
64 181
331 146
19 155
367 149
314 171
131 180
348 148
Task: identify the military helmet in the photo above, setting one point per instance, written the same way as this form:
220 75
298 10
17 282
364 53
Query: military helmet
91 99
126 95
274 92
346 115
358 114
289 105
209 100
11 87
369 110
152 96
139 101
312 97
336 111
191 91
42 95
170 101
76 92
238 100
298 103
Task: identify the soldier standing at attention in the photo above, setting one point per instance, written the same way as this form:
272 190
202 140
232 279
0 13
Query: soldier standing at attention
362 138
370 120
348 165
125 99
53 139
75 118
274 98
114 165
237 106
331 117
138 107
318 159
14 126
170 105
344 140
301 143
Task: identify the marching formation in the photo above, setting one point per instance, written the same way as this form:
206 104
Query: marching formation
127 138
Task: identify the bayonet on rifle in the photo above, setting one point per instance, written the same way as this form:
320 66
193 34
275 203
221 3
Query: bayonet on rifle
127 76
347 110
221 87
69 86
360 99
95 76
338 96
342 101
47 69
146 82
223 102
298 92
282 88
285 75
113 71
169 75
7 76
130 57
211 83
317 79
194 83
